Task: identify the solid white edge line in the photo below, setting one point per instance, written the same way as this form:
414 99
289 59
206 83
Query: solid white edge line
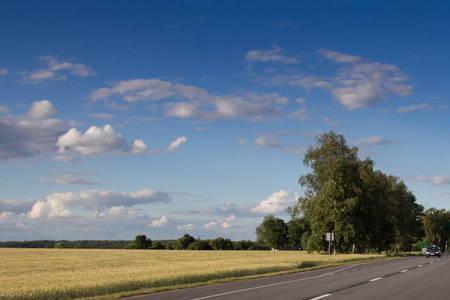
320 297
274 284
403 271
376 279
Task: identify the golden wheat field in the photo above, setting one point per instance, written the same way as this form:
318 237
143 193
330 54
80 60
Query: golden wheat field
76 273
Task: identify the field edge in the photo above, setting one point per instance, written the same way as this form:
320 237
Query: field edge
146 291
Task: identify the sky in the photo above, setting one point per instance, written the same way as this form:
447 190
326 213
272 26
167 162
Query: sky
170 117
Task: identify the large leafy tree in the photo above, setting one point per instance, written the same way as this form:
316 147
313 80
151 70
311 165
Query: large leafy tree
272 232
332 191
298 232
366 209
437 226
142 242
184 241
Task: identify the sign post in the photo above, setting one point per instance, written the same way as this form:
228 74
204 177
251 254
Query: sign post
330 238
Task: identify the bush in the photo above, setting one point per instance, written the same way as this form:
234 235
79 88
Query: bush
242 245
157 245
199 245
221 244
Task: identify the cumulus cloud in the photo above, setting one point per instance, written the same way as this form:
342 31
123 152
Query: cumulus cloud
3 71
358 83
186 227
42 109
185 101
32 134
412 108
55 69
159 222
372 141
175 144
72 179
276 202
94 201
274 55
435 180
96 140
138 147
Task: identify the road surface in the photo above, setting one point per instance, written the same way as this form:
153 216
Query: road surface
400 278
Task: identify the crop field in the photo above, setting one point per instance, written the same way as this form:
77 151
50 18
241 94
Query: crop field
76 273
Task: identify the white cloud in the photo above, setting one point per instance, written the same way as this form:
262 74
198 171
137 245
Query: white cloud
96 140
3 71
138 147
186 227
372 140
276 202
72 179
117 211
55 70
412 108
159 222
224 223
94 201
32 134
273 55
175 144
339 57
210 225
435 180
242 141
264 141
42 109
184 101
358 83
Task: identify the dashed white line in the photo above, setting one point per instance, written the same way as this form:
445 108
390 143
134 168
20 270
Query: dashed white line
419 266
403 271
376 279
275 284
321 297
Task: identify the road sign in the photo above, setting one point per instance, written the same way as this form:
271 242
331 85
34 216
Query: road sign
330 236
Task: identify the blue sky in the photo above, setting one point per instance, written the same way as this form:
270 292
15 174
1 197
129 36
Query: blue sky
166 117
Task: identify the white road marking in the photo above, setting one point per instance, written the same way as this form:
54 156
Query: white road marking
273 284
403 271
320 297
376 279
430 262
420 266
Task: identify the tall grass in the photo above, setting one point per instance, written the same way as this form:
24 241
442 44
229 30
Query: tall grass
76 273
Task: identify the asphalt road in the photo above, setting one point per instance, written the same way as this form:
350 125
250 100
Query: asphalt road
401 278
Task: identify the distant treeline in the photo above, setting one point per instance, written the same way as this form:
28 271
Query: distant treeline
186 242
89 244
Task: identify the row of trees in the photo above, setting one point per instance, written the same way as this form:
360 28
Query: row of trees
188 242
366 209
